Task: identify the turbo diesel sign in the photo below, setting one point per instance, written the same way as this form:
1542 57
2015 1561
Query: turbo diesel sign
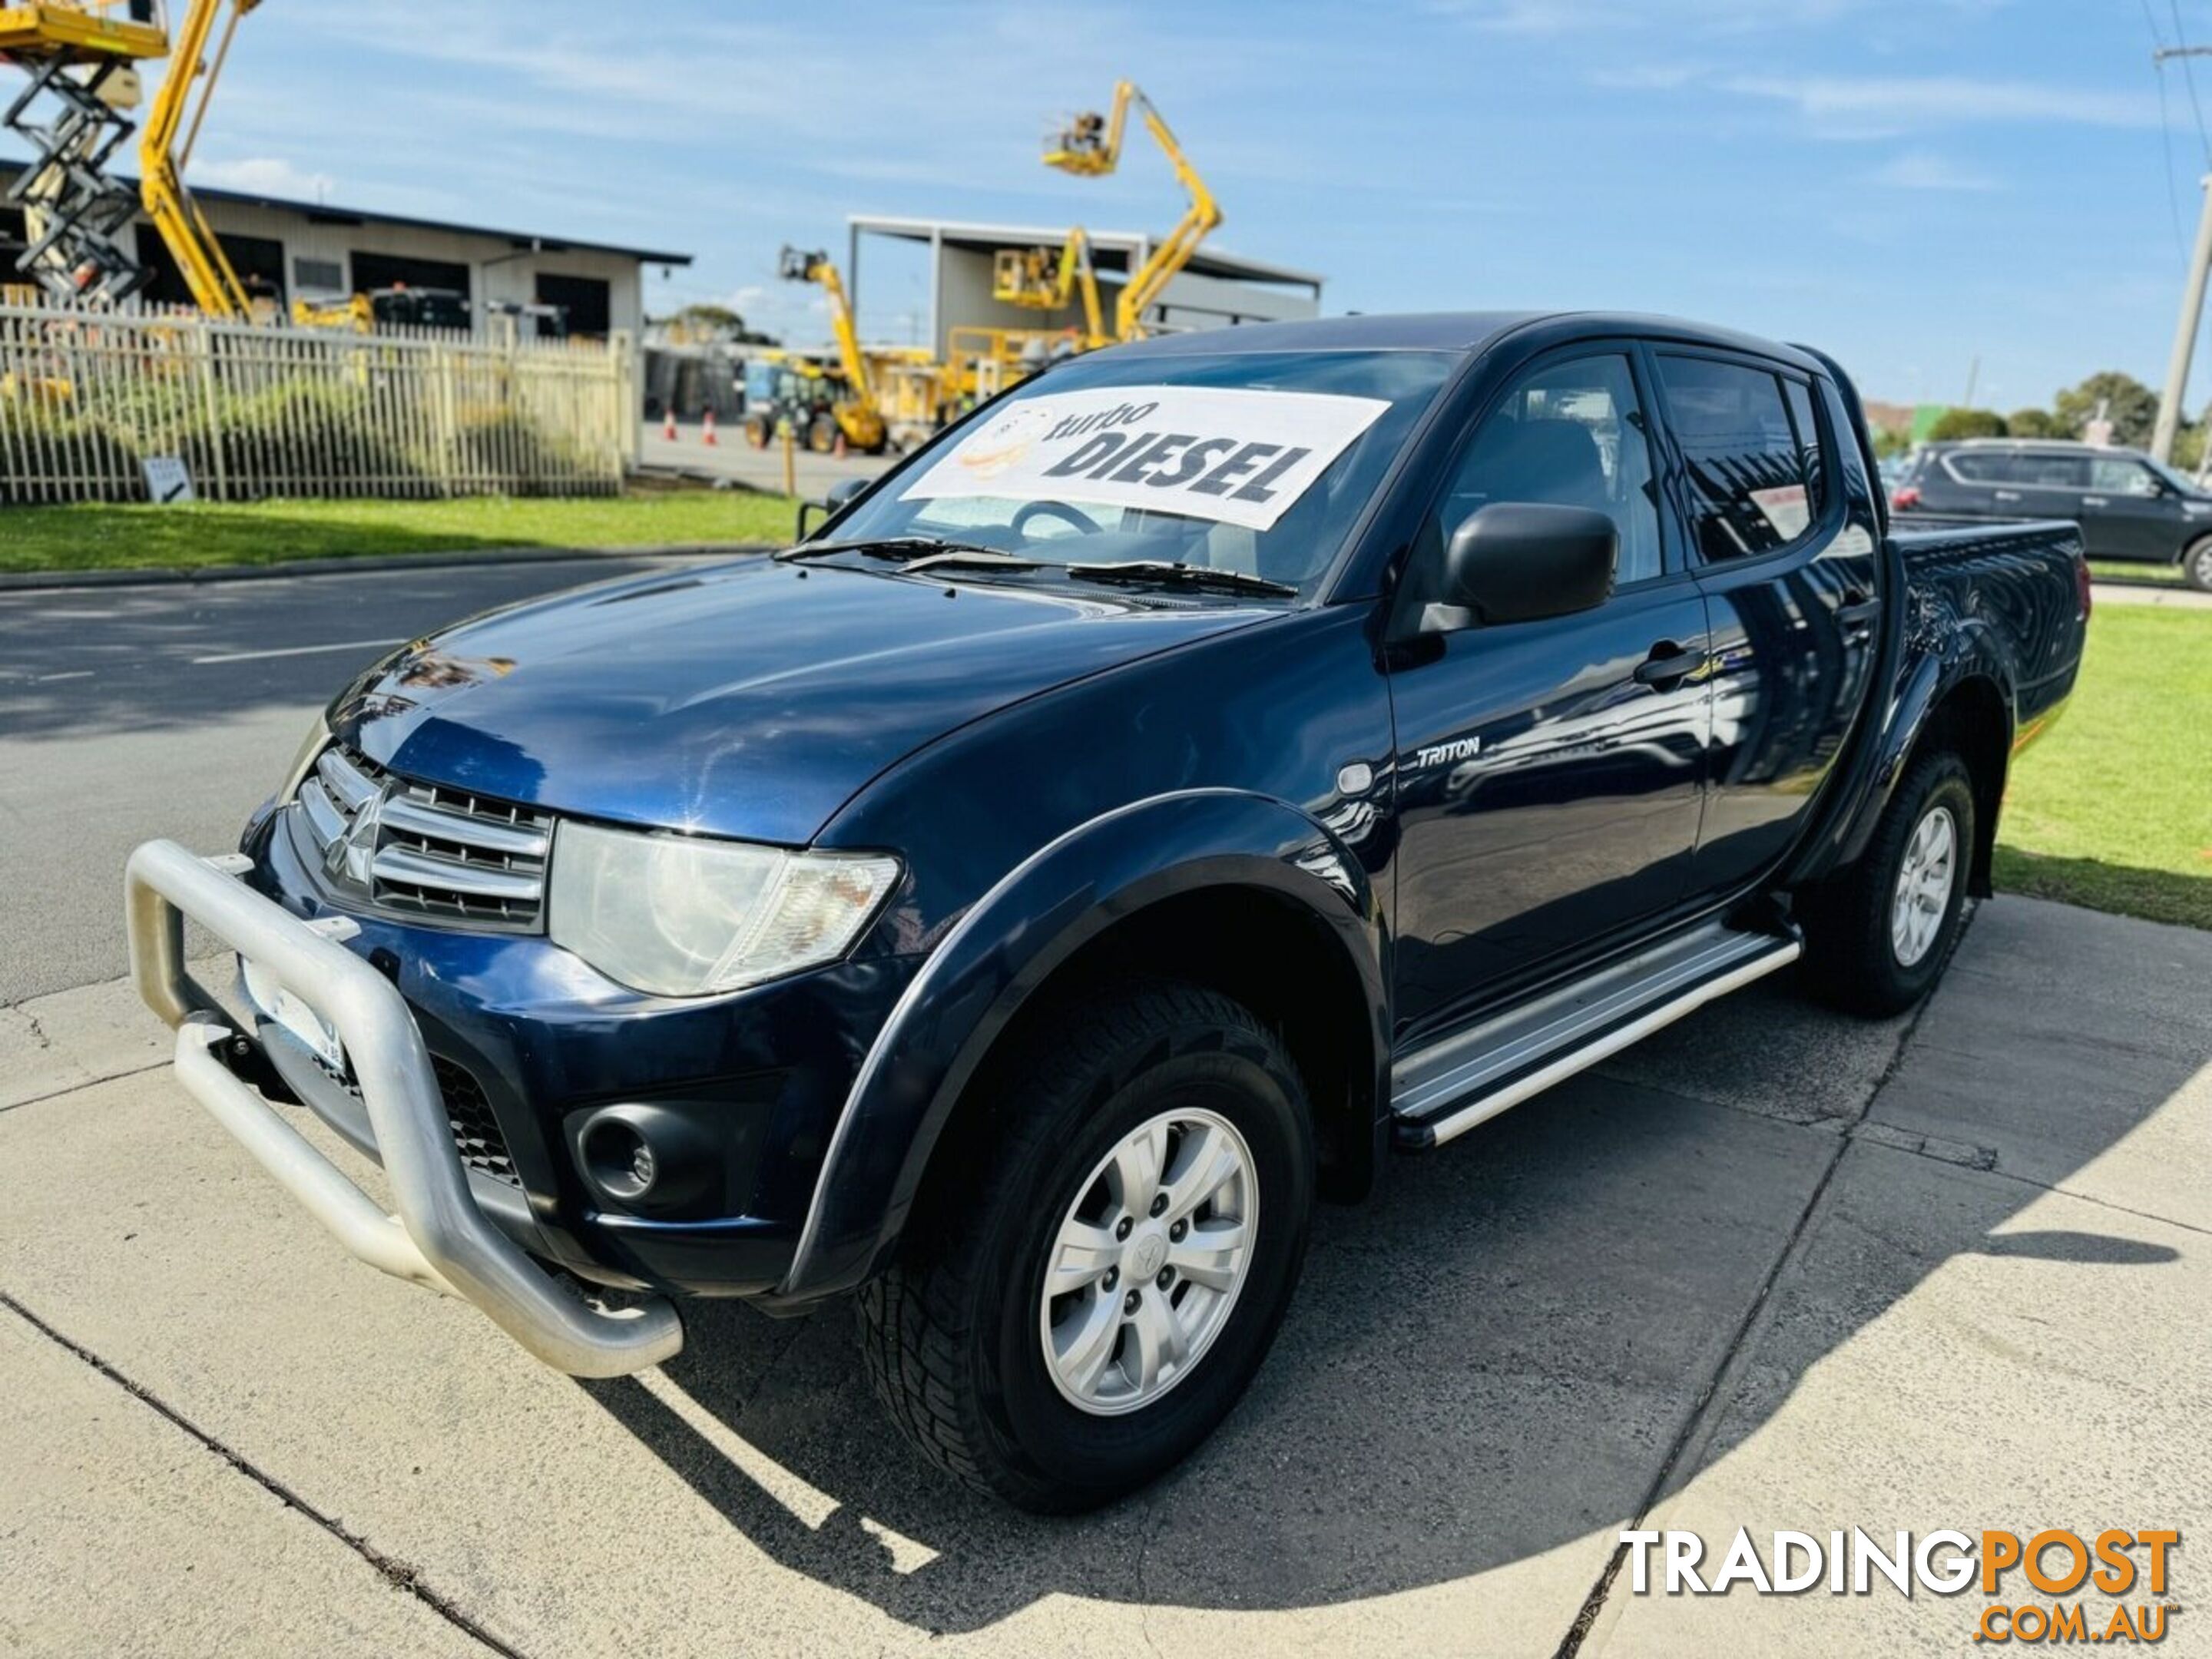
1239 457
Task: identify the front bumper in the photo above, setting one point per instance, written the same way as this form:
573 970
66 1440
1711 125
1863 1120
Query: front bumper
439 1238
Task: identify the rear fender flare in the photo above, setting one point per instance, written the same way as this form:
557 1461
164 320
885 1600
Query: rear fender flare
1007 945
1929 681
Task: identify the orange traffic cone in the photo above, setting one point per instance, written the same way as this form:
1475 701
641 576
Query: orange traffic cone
838 449
668 426
707 432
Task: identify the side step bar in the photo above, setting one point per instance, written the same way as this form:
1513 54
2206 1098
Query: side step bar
1472 1075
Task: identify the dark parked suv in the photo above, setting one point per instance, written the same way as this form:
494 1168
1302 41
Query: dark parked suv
2128 506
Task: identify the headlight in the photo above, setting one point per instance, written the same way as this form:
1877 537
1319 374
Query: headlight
683 916
311 750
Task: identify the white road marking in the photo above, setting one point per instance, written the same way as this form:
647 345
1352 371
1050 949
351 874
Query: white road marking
294 651
73 674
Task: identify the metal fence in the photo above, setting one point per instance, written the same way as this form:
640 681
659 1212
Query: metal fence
88 397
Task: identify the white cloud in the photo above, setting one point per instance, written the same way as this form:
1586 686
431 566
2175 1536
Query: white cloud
1924 170
266 175
1559 17
1945 100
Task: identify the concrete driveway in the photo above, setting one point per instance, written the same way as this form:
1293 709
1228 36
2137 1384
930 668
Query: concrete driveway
1774 1269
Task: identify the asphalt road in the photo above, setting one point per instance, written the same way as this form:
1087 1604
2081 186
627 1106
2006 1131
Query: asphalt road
171 710
731 456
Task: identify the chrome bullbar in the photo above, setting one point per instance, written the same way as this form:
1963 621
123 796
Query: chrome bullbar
439 1238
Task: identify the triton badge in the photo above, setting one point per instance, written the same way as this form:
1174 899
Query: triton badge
1445 754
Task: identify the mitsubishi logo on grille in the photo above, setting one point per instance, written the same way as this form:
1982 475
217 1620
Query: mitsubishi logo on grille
347 858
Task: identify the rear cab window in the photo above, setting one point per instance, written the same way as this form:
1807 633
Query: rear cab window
1756 465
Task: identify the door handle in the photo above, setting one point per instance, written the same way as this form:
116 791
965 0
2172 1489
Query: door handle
2095 500
2006 494
1853 612
1669 665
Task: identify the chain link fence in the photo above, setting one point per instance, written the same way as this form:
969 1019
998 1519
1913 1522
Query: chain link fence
88 397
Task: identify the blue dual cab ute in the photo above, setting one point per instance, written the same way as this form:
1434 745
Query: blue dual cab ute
1218 762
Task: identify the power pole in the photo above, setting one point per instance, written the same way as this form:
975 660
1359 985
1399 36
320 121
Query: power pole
2192 302
2184 335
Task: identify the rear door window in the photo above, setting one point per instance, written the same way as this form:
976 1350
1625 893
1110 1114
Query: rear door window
1755 485
2048 471
1808 444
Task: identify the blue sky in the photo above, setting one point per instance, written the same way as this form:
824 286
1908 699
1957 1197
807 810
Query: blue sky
1908 183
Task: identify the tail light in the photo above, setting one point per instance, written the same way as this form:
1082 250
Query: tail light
1907 499
2081 582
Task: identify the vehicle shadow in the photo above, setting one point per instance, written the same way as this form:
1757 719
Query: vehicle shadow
1488 1361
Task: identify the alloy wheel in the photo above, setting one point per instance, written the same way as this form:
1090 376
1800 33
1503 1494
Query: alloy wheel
1922 893
1148 1261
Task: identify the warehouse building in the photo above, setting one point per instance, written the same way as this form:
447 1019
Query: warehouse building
292 250
1214 290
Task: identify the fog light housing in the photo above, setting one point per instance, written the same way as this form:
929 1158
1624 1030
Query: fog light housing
646 1158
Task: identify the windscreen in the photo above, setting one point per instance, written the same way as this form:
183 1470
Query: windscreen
1256 462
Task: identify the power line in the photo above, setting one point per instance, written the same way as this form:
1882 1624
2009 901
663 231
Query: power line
2166 131
2189 77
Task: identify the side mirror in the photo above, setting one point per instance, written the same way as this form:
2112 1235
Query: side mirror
842 494
1523 561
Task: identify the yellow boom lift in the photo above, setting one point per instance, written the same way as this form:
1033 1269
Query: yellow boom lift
1090 146
178 108
1050 279
820 405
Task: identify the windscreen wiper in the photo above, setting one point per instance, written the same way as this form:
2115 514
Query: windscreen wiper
969 558
906 550
1183 575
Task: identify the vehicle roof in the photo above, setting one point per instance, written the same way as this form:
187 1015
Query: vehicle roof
1463 332
2031 446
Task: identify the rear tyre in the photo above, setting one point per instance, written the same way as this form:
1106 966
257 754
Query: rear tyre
821 435
1079 1311
2196 565
1883 933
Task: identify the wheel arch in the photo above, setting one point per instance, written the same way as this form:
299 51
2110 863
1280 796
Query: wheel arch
1974 719
1962 697
1104 897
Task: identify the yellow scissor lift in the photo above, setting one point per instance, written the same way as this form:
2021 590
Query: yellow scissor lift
80 57
81 63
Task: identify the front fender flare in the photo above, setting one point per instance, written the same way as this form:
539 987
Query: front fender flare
1007 944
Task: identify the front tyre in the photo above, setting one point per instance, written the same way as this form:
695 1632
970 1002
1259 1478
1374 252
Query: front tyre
2196 565
1882 935
1074 1314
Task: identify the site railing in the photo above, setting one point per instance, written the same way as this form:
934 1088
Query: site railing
88 397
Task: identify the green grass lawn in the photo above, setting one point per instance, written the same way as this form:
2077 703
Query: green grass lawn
2112 808
112 537
2115 570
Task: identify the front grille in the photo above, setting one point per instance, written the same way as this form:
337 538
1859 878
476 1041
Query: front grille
476 1131
425 849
